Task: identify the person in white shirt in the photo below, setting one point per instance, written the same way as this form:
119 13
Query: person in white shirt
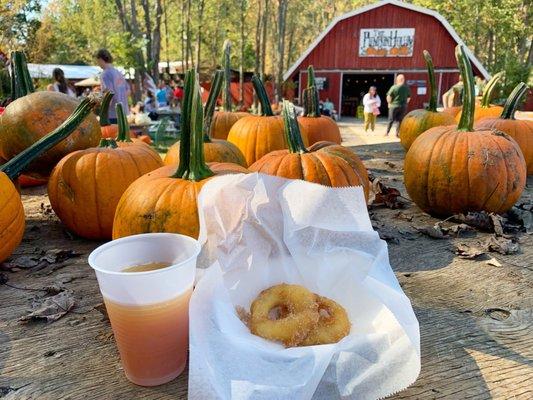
60 83
371 103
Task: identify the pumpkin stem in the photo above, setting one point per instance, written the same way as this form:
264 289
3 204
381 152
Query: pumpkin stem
266 109
104 108
192 165
226 95
209 110
466 123
489 89
310 95
123 126
292 130
110 143
431 75
513 101
21 83
14 167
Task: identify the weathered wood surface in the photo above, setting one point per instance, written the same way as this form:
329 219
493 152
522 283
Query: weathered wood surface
475 319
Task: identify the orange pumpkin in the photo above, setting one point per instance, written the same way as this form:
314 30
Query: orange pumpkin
519 130
108 130
257 135
165 200
223 121
330 165
145 139
86 186
215 150
11 209
453 111
485 109
315 126
419 121
450 170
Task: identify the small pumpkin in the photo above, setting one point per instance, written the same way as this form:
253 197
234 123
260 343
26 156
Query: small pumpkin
258 135
86 185
145 139
450 170
215 150
419 121
317 127
485 109
11 209
224 120
329 165
519 130
165 200
108 130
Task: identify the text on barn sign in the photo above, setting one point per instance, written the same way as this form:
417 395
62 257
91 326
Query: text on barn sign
393 42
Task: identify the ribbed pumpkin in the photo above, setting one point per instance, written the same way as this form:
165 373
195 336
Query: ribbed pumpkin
330 165
317 127
86 186
450 170
108 130
215 150
419 121
11 209
519 130
165 200
485 109
258 135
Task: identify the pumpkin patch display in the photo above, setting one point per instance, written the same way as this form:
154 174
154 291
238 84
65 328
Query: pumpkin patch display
258 135
11 210
215 150
317 127
165 200
86 185
328 164
419 121
108 130
224 120
485 109
519 130
450 170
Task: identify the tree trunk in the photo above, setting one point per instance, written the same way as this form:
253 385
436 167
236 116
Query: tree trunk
241 66
201 6
264 28
156 40
282 20
258 30
183 34
188 45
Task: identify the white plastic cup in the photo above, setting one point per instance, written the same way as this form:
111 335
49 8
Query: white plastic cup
148 310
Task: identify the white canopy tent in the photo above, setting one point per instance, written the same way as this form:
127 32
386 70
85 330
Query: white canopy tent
74 72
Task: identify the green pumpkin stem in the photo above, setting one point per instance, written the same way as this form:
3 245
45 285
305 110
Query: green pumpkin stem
209 111
109 143
310 95
431 80
21 82
489 89
104 108
292 130
16 165
266 109
513 101
226 95
123 126
466 123
192 165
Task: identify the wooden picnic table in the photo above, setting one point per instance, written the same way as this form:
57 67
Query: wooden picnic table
475 318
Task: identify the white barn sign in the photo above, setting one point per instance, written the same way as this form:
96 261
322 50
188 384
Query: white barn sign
386 42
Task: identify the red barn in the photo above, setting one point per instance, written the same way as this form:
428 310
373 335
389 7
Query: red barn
371 45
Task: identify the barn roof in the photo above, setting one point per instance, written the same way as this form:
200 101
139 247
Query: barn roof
397 3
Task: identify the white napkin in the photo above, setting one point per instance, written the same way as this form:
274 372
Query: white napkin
263 230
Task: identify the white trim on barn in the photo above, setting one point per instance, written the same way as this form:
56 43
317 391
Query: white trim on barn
369 7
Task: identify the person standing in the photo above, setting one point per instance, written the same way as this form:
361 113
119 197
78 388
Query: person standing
112 80
398 97
371 103
161 94
328 107
60 83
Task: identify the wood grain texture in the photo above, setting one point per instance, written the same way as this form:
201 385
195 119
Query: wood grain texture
475 319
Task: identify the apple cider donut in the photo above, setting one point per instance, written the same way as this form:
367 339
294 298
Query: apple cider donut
333 323
297 314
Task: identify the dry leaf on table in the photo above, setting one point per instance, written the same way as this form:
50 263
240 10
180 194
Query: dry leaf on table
464 250
51 308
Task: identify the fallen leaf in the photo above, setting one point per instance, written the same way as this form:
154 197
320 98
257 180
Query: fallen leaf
480 220
523 215
102 310
389 164
494 262
382 195
496 223
502 245
464 250
434 231
51 308
402 215
458 229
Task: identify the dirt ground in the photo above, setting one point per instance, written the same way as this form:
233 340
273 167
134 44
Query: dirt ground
475 314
